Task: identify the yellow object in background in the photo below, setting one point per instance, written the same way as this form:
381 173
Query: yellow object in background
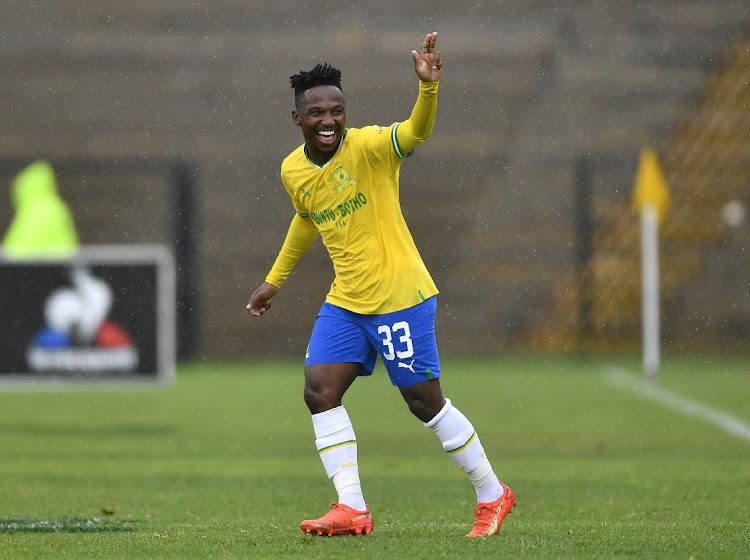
650 185
42 223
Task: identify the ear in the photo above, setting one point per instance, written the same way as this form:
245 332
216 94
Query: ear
296 118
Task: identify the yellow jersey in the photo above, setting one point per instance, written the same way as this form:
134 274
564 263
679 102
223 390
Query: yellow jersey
353 202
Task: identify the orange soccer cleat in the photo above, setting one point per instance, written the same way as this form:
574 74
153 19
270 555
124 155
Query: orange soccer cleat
341 520
489 515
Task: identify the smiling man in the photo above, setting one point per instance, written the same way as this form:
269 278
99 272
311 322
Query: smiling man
344 185
320 112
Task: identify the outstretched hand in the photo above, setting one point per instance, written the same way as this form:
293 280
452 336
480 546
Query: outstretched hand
428 65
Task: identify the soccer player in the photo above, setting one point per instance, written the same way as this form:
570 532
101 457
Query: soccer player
344 185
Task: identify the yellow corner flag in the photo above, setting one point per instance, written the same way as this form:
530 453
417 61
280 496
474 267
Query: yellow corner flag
650 184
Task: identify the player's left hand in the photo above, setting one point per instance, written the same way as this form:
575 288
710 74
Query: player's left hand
428 65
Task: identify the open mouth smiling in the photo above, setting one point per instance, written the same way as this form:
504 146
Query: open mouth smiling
326 136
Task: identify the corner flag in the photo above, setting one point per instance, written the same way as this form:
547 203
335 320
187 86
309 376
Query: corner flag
651 199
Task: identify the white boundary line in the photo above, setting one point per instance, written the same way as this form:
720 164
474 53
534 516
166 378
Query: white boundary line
648 389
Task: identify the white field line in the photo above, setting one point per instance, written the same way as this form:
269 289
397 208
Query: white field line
650 390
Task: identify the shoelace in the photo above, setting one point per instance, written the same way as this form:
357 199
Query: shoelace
480 513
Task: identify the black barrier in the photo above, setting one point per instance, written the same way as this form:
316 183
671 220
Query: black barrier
107 313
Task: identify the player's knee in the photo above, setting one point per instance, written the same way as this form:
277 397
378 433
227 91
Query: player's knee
423 408
312 398
417 408
320 398
425 399
325 384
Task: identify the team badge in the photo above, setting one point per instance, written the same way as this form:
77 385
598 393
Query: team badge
343 180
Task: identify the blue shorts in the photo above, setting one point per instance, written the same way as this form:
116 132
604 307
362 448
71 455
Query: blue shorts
404 340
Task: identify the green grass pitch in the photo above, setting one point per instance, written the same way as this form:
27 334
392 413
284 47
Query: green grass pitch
222 464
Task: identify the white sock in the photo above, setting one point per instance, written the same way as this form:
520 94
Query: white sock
485 482
461 442
337 446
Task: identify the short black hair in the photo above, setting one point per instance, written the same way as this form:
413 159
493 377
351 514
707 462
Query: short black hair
322 75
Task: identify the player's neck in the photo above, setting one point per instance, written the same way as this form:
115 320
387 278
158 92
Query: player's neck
318 158
321 158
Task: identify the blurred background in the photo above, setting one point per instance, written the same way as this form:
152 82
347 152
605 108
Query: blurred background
167 121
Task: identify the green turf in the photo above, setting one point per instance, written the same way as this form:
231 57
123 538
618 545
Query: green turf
222 465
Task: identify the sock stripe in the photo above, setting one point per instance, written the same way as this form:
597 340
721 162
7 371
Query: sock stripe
465 445
337 445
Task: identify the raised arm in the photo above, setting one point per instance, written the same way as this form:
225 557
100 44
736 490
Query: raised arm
429 68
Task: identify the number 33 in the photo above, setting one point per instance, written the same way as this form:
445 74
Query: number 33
388 334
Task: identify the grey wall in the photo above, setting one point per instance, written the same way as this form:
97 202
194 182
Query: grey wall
528 88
